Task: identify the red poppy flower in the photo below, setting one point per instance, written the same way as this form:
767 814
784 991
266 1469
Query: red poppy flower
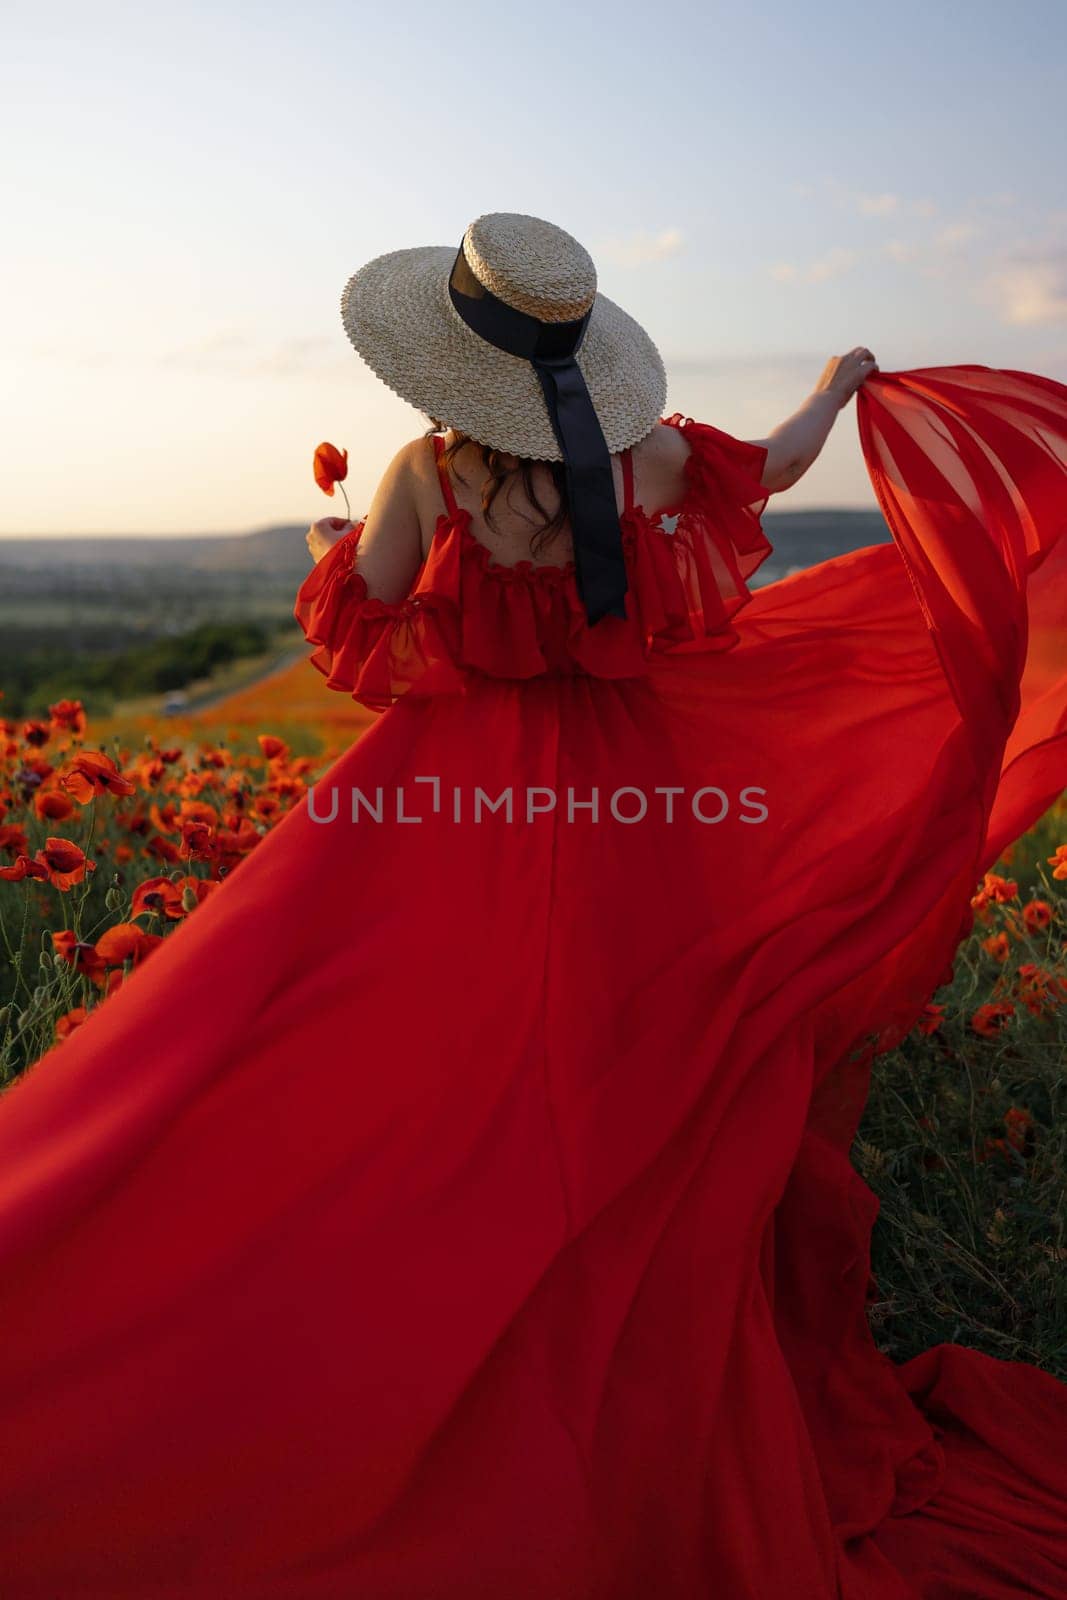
271 746
92 773
36 732
13 838
1037 915
162 896
988 1020
121 943
52 805
198 841
162 849
77 952
66 1024
24 868
68 714
66 862
330 466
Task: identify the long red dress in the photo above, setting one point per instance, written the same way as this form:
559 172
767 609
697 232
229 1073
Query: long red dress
461 1208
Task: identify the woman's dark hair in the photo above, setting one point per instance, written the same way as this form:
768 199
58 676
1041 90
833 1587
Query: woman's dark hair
499 475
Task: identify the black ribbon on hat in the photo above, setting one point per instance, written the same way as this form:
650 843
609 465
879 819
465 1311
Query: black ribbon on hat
551 347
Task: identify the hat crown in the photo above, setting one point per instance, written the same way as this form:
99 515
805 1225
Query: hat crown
532 265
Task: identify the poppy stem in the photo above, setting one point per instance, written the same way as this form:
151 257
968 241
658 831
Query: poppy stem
348 508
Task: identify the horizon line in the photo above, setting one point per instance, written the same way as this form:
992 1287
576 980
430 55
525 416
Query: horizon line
267 527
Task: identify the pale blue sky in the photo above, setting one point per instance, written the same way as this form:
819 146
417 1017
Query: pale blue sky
187 187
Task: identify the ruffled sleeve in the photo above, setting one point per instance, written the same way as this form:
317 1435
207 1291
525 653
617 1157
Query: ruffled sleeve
694 581
368 648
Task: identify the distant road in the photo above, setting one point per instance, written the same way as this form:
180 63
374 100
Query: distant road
212 699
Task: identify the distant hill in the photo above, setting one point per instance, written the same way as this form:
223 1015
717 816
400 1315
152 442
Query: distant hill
279 554
278 549
804 538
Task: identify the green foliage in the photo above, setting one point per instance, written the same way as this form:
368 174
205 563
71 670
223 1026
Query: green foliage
35 675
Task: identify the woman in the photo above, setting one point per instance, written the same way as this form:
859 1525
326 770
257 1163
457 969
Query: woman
461 1205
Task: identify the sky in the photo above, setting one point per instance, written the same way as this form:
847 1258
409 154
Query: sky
186 189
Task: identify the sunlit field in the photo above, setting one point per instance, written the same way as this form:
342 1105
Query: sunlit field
113 833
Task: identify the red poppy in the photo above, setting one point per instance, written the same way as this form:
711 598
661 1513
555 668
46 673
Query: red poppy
124 942
36 732
92 773
69 715
1058 862
170 897
13 838
993 1147
999 889
66 1024
163 849
77 952
1019 1124
988 1020
52 805
24 868
198 841
271 746
158 896
1037 915
931 1019
66 862
330 466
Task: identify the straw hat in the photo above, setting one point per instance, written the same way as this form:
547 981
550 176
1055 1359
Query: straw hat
400 316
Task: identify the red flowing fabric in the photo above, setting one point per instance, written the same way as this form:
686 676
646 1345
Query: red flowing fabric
464 1208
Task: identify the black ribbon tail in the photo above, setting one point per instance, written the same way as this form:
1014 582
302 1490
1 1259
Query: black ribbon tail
599 562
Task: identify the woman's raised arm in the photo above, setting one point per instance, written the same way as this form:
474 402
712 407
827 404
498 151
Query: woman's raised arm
796 442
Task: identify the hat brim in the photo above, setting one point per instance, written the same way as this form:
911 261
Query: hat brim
399 316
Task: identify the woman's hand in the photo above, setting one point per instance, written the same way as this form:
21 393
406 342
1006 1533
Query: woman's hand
324 534
842 375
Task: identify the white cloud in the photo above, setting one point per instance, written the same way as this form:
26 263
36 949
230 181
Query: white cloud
877 205
900 250
831 265
637 249
1031 293
957 233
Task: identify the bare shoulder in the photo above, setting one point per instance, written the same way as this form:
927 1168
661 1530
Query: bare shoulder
415 458
412 469
663 448
659 466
